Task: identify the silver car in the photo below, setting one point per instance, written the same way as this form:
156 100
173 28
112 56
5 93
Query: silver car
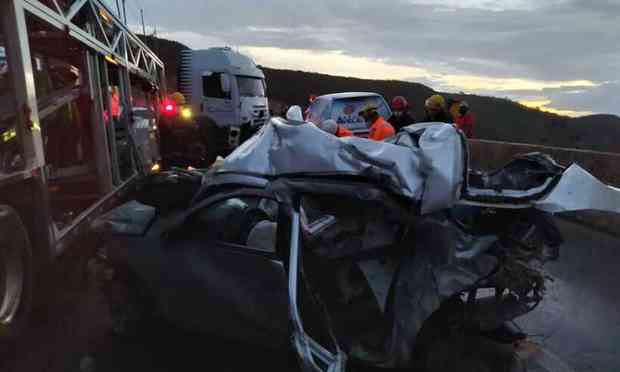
383 254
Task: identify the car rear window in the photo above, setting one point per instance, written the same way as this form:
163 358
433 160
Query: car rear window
345 110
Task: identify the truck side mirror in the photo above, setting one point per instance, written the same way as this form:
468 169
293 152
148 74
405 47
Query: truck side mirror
225 83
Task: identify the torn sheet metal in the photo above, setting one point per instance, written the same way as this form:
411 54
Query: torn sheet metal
379 274
525 178
579 190
449 261
307 348
443 151
427 170
536 180
439 269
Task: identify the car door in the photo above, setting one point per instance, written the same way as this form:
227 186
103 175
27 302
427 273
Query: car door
313 355
223 274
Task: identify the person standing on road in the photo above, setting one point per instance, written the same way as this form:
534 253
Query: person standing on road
400 113
465 120
379 128
330 126
435 107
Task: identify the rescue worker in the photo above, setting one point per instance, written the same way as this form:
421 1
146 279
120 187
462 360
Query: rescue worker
465 120
453 107
294 115
400 113
178 98
379 128
435 107
330 126
115 98
311 99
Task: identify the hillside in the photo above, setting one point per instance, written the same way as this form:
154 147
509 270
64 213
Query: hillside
497 118
168 51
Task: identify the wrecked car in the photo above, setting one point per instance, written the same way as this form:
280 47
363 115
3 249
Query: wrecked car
348 251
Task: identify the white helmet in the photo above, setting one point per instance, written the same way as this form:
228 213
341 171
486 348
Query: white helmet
329 125
294 114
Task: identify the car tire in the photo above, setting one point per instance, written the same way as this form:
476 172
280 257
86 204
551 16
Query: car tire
16 277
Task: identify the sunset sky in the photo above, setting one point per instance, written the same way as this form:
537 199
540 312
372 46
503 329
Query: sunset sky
560 55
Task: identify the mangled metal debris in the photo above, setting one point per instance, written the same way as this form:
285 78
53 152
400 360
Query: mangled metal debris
364 252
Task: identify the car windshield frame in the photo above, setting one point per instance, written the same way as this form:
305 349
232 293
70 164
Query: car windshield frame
257 89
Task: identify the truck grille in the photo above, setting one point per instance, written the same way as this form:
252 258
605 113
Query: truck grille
260 115
184 75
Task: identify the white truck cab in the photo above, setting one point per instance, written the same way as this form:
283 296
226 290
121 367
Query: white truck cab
226 91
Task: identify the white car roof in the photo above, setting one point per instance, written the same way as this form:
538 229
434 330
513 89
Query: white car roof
345 95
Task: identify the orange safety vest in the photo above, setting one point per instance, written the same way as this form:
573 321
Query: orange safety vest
343 132
116 105
380 130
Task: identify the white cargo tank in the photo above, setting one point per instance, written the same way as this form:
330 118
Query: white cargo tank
227 93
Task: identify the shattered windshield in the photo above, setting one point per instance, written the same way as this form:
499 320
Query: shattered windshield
251 86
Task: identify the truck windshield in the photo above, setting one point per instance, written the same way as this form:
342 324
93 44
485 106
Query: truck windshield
251 86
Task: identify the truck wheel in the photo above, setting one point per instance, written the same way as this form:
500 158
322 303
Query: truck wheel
209 137
16 275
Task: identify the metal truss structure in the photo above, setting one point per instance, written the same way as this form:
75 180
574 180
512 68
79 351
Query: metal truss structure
106 39
96 26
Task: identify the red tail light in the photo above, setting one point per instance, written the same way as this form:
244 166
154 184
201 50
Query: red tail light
169 108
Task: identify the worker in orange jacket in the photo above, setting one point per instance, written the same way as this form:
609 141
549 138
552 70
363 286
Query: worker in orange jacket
330 126
380 129
343 132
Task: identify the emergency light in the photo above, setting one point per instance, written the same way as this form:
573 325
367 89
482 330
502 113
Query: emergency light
169 108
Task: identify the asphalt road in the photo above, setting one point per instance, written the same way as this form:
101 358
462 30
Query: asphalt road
579 320
578 323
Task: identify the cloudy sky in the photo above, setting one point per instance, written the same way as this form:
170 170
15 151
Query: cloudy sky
560 55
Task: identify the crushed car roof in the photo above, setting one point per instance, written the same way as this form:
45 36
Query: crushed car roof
425 162
427 166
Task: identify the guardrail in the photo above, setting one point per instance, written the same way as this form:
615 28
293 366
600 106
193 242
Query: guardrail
488 155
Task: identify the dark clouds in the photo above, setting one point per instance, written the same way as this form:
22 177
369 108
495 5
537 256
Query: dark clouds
540 40
602 99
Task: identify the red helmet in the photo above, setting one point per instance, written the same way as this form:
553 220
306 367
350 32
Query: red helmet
399 103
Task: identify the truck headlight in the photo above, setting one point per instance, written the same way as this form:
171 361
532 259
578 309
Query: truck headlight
186 113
